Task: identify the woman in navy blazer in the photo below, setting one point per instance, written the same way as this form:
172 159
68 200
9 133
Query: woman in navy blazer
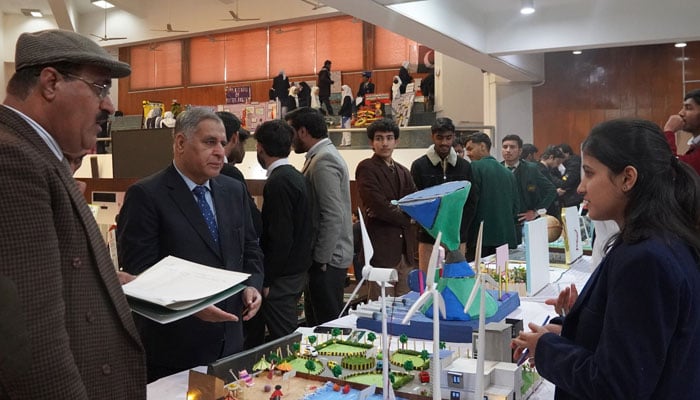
634 331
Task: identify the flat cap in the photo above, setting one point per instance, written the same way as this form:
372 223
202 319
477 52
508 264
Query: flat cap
56 45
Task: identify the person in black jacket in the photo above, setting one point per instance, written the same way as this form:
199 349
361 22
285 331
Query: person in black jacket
366 87
324 86
568 196
286 238
236 137
280 87
405 77
304 94
440 164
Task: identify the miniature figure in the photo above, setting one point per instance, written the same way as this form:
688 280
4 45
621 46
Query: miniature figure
277 394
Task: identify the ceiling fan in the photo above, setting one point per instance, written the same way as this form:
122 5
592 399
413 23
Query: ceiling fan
317 4
169 26
280 30
235 16
213 38
105 37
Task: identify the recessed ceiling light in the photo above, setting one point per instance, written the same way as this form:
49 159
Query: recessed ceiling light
32 12
102 3
528 7
577 52
680 44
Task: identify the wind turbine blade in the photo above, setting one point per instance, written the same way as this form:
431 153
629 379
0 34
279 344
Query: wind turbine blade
477 254
417 305
352 296
477 266
433 262
472 295
366 243
441 304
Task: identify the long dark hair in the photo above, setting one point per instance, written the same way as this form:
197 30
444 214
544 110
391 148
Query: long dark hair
665 199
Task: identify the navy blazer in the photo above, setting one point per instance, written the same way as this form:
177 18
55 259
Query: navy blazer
160 217
634 332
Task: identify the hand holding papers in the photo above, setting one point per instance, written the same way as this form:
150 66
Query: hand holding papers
175 288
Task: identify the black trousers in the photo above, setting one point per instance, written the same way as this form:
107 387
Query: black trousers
326 101
278 312
323 296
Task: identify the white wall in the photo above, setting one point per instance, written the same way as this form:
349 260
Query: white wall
514 113
458 91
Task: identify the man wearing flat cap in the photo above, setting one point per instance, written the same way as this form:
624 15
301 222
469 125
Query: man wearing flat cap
64 322
366 87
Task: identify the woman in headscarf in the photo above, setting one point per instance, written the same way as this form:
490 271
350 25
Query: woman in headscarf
315 101
346 113
395 94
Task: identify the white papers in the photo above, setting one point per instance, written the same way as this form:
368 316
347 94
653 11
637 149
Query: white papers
178 284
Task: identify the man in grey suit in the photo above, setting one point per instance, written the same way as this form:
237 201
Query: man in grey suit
190 211
65 327
332 242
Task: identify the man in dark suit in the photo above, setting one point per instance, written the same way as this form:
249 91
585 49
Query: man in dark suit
536 192
380 180
236 137
190 211
286 238
65 327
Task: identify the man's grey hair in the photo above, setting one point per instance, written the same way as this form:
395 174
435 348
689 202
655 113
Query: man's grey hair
187 121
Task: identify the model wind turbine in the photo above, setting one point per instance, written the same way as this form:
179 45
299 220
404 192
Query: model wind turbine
382 276
481 345
437 257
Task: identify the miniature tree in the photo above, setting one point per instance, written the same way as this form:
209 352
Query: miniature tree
424 355
408 365
274 358
296 346
371 337
335 332
403 339
312 339
310 365
337 370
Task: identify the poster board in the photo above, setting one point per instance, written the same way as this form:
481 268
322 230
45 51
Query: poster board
573 244
536 255
404 106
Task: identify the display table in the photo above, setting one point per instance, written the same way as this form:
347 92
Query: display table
532 309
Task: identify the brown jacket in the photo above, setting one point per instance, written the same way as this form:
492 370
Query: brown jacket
388 227
65 325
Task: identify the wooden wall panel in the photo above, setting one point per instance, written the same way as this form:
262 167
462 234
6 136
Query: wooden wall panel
581 91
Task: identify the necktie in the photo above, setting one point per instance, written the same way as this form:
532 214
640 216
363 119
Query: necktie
208 215
511 169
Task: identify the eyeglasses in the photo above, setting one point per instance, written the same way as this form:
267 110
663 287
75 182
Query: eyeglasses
102 90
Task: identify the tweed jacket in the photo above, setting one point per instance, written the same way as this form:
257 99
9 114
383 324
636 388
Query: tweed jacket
65 325
388 227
